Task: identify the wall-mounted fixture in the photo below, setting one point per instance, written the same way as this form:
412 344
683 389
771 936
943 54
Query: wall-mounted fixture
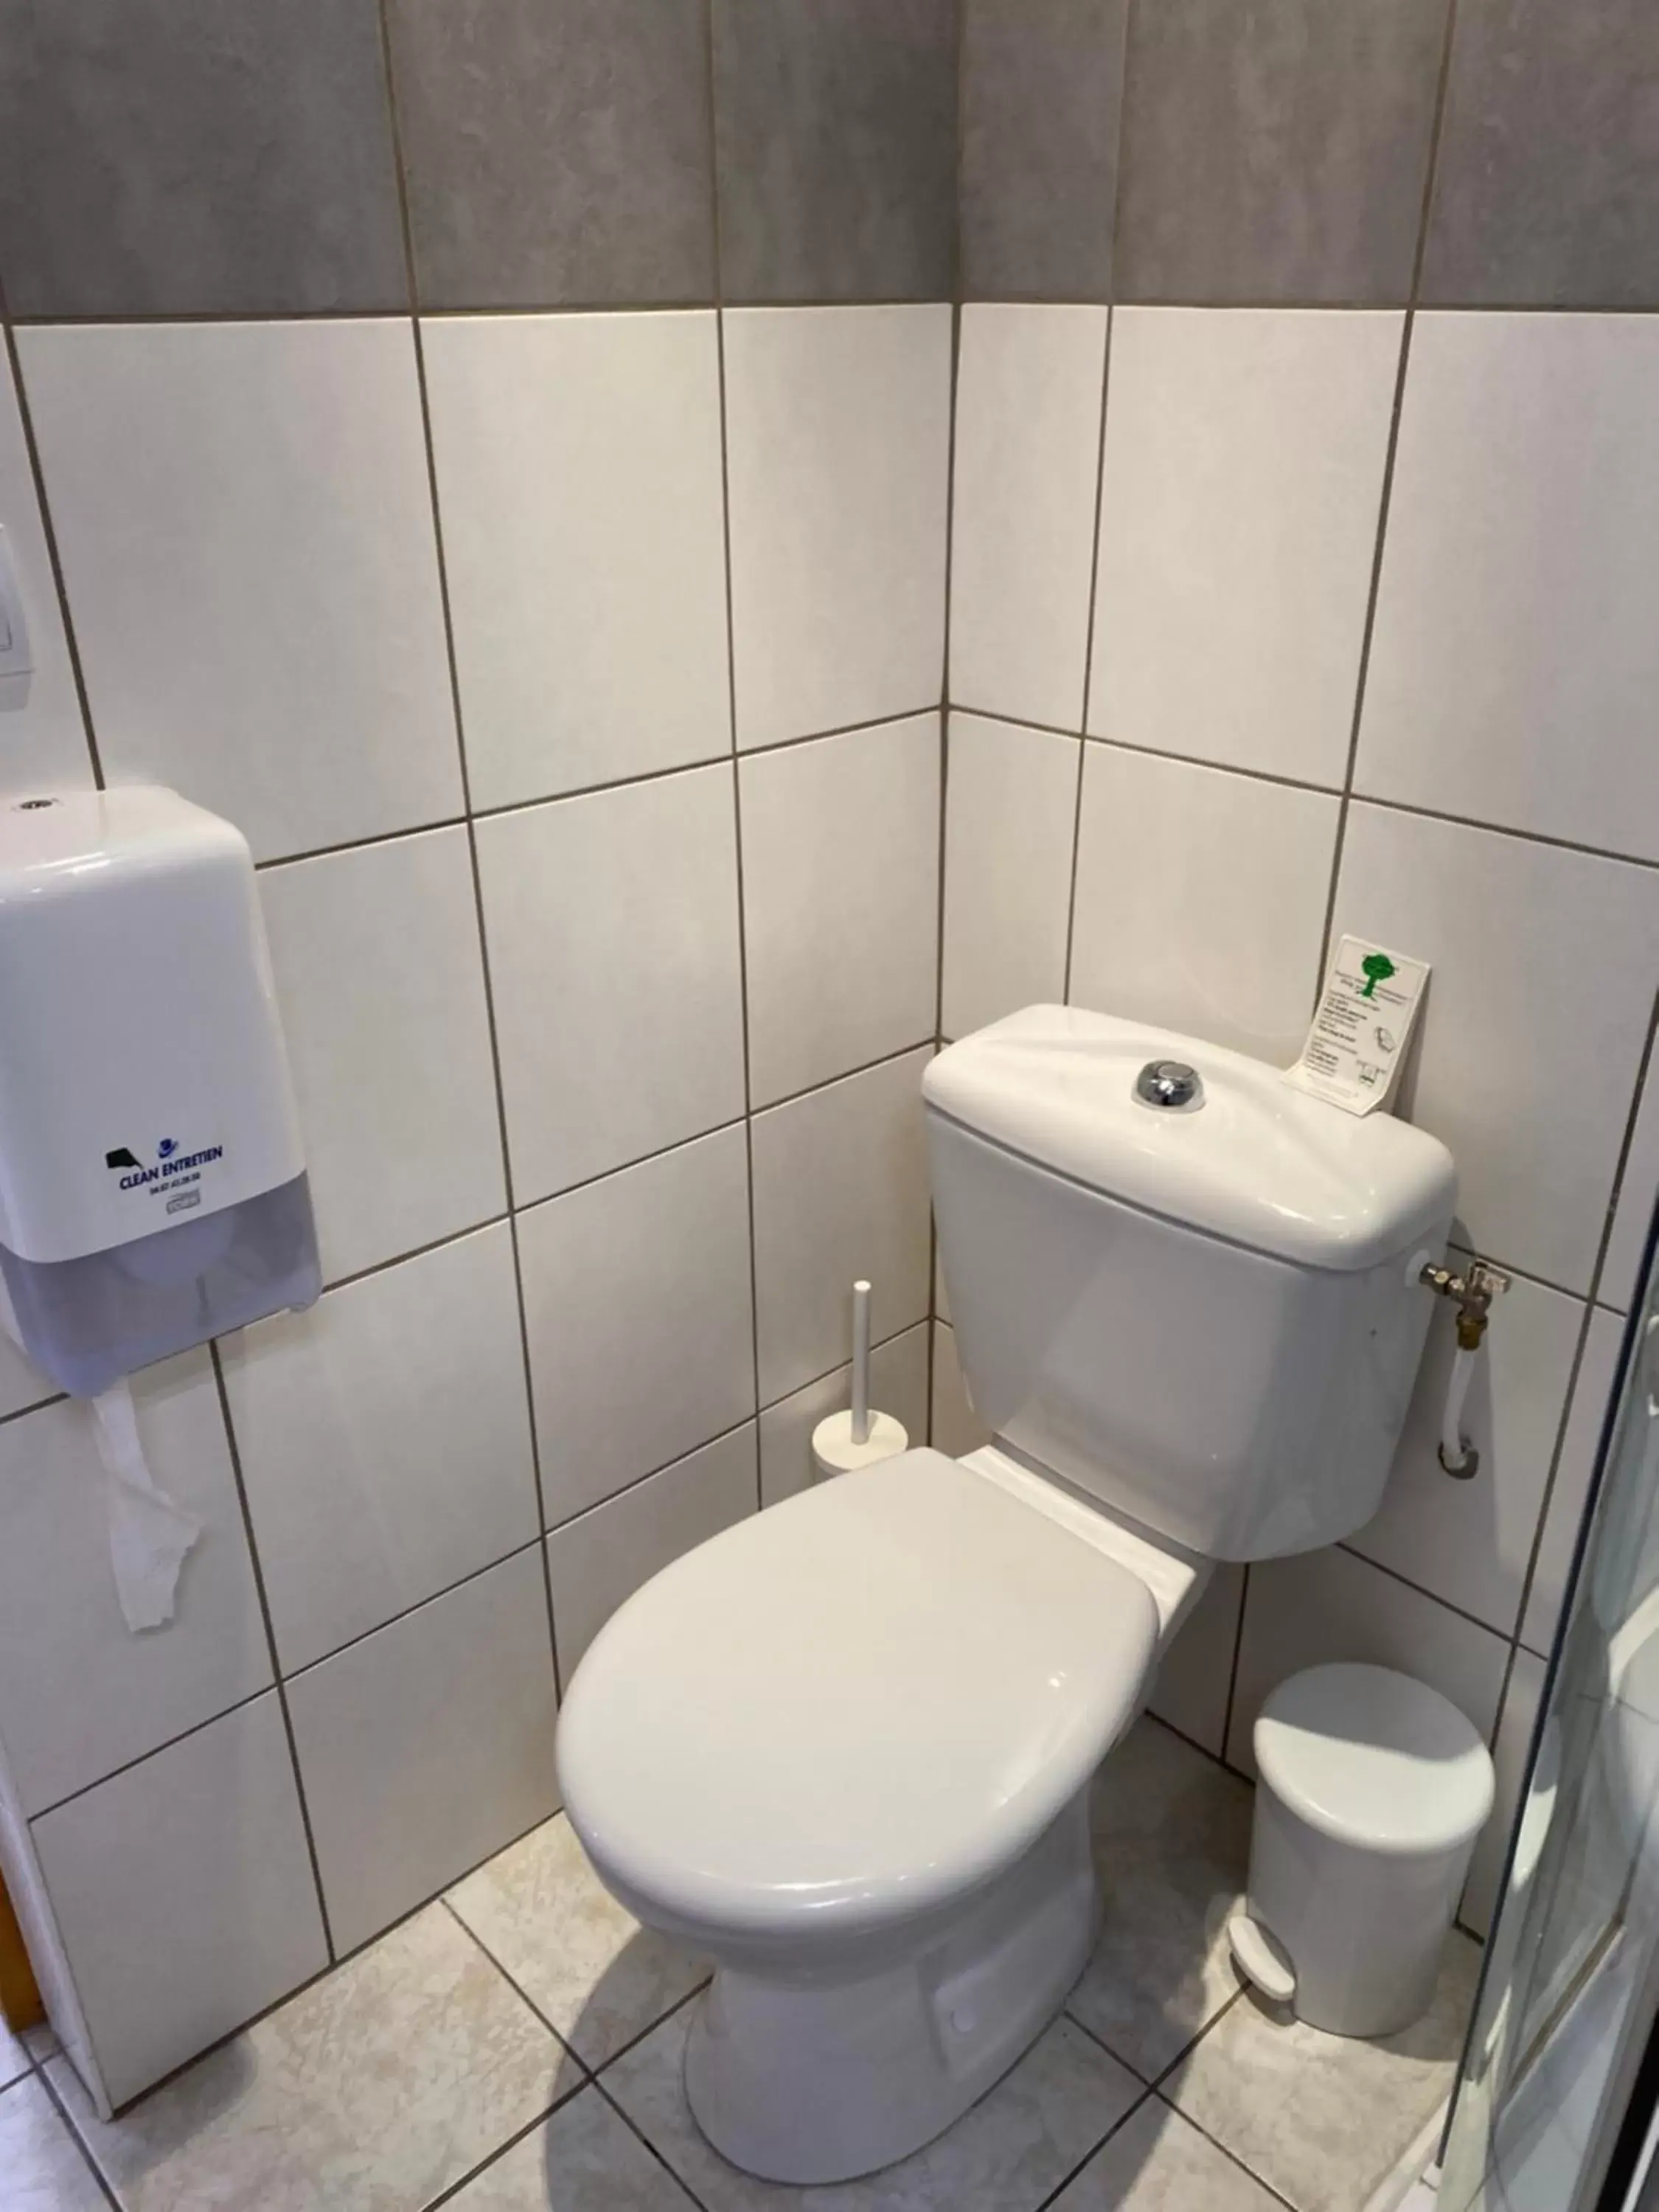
1473 1293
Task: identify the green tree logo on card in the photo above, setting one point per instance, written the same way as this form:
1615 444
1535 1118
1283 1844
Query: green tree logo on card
1376 968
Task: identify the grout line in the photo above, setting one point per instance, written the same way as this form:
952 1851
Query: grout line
1505 830
457 713
514 310
868 1067
1088 624
106 2187
477 814
196 1727
1504 1636
1385 497
642 2034
957 707
732 747
1094 2150
408 1612
1232 1670
409 830
447 2196
635 2129
513 1982
263 1597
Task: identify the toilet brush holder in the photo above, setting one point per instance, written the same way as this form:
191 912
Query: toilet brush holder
859 1436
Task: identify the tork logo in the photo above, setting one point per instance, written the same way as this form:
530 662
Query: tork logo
169 1161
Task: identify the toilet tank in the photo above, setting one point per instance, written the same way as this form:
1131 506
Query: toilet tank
1206 1316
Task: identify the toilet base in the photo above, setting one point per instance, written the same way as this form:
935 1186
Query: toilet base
796 2076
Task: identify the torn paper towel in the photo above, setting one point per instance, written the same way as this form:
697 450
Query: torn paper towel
150 1536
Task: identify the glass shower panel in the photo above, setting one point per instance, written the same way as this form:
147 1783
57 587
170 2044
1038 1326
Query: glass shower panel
1570 1992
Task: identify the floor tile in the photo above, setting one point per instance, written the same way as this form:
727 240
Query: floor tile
1158 2162
41 2166
14 2058
1172 1840
375 2088
583 1962
584 2159
1321 2118
1004 2155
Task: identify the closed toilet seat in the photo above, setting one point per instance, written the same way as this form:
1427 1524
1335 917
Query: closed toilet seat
851 1709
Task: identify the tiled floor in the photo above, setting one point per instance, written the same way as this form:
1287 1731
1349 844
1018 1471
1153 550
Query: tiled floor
516 2048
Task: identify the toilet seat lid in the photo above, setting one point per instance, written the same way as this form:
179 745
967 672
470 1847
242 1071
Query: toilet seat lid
855 1704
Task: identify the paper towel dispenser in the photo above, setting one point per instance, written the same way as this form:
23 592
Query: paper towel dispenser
153 1190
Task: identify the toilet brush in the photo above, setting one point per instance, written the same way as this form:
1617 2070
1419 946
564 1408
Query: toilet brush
859 1436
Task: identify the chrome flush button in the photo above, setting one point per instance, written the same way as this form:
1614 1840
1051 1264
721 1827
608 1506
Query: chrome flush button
1171 1085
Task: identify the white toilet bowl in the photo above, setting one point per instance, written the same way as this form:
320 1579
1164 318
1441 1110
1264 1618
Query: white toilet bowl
845 1749
845 1746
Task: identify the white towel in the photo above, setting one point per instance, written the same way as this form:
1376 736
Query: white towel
150 1536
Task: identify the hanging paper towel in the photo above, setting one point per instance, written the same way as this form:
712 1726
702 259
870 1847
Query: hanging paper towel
150 1536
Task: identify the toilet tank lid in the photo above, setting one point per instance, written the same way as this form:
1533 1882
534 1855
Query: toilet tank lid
1260 1162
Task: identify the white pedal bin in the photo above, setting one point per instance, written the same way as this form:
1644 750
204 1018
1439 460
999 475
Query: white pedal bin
1372 1790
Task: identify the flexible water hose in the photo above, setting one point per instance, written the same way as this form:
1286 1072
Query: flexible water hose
1457 1455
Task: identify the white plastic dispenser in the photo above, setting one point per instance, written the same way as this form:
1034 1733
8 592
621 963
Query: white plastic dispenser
153 1190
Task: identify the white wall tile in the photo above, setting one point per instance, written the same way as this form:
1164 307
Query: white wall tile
837 434
1009 813
956 1428
1470 1542
841 1192
385 1441
638 1304
612 924
184 1891
45 744
80 1694
898 1386
597 1561
1544 963
1634 1214
1194 1677
1510 1748
841 902
1239 500
1200 900
245 521
1325 1605
379 978
1029 396
579 478
1592 1391
1514 664
428 1745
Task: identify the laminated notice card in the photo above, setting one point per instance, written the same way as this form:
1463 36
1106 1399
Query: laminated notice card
1362 1026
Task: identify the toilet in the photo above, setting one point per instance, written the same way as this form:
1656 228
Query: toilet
845 1748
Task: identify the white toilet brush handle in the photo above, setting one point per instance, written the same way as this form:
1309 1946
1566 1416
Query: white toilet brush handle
860 1363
